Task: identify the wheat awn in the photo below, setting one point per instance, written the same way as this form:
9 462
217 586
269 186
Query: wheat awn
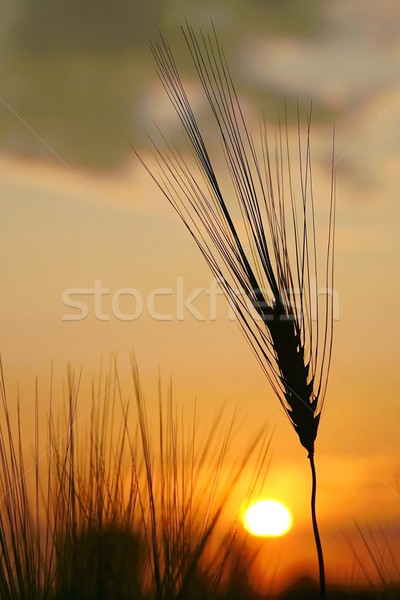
264 255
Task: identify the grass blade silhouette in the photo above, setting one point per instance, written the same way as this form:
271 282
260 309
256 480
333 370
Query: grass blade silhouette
257 236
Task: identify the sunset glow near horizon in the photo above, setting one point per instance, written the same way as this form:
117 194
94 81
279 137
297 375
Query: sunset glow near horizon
96 263
267 518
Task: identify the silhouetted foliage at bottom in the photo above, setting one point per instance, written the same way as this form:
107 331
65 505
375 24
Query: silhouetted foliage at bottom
307 589
102 564
106 513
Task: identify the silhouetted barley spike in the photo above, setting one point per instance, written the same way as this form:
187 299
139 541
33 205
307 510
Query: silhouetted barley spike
263 255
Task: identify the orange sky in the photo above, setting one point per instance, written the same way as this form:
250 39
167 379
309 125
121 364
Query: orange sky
58 235
65 228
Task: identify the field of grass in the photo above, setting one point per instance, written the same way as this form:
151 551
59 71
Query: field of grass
105 509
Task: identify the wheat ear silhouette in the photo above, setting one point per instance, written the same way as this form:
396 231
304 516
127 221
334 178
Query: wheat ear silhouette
257 236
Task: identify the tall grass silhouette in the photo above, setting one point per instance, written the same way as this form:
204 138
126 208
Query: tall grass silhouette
113 508
257 234
374 556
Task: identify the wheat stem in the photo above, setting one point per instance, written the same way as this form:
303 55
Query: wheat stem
315 527
263 255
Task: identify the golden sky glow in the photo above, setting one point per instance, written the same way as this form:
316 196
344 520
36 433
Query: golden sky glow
267 518
67 228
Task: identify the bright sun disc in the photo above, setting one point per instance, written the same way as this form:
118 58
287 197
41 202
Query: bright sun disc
267 518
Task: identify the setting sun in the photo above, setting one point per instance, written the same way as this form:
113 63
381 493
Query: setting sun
267 518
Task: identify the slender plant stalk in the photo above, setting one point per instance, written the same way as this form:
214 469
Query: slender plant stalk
260 246
315 528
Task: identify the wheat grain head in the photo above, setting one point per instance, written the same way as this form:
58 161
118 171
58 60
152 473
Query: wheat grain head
256 233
